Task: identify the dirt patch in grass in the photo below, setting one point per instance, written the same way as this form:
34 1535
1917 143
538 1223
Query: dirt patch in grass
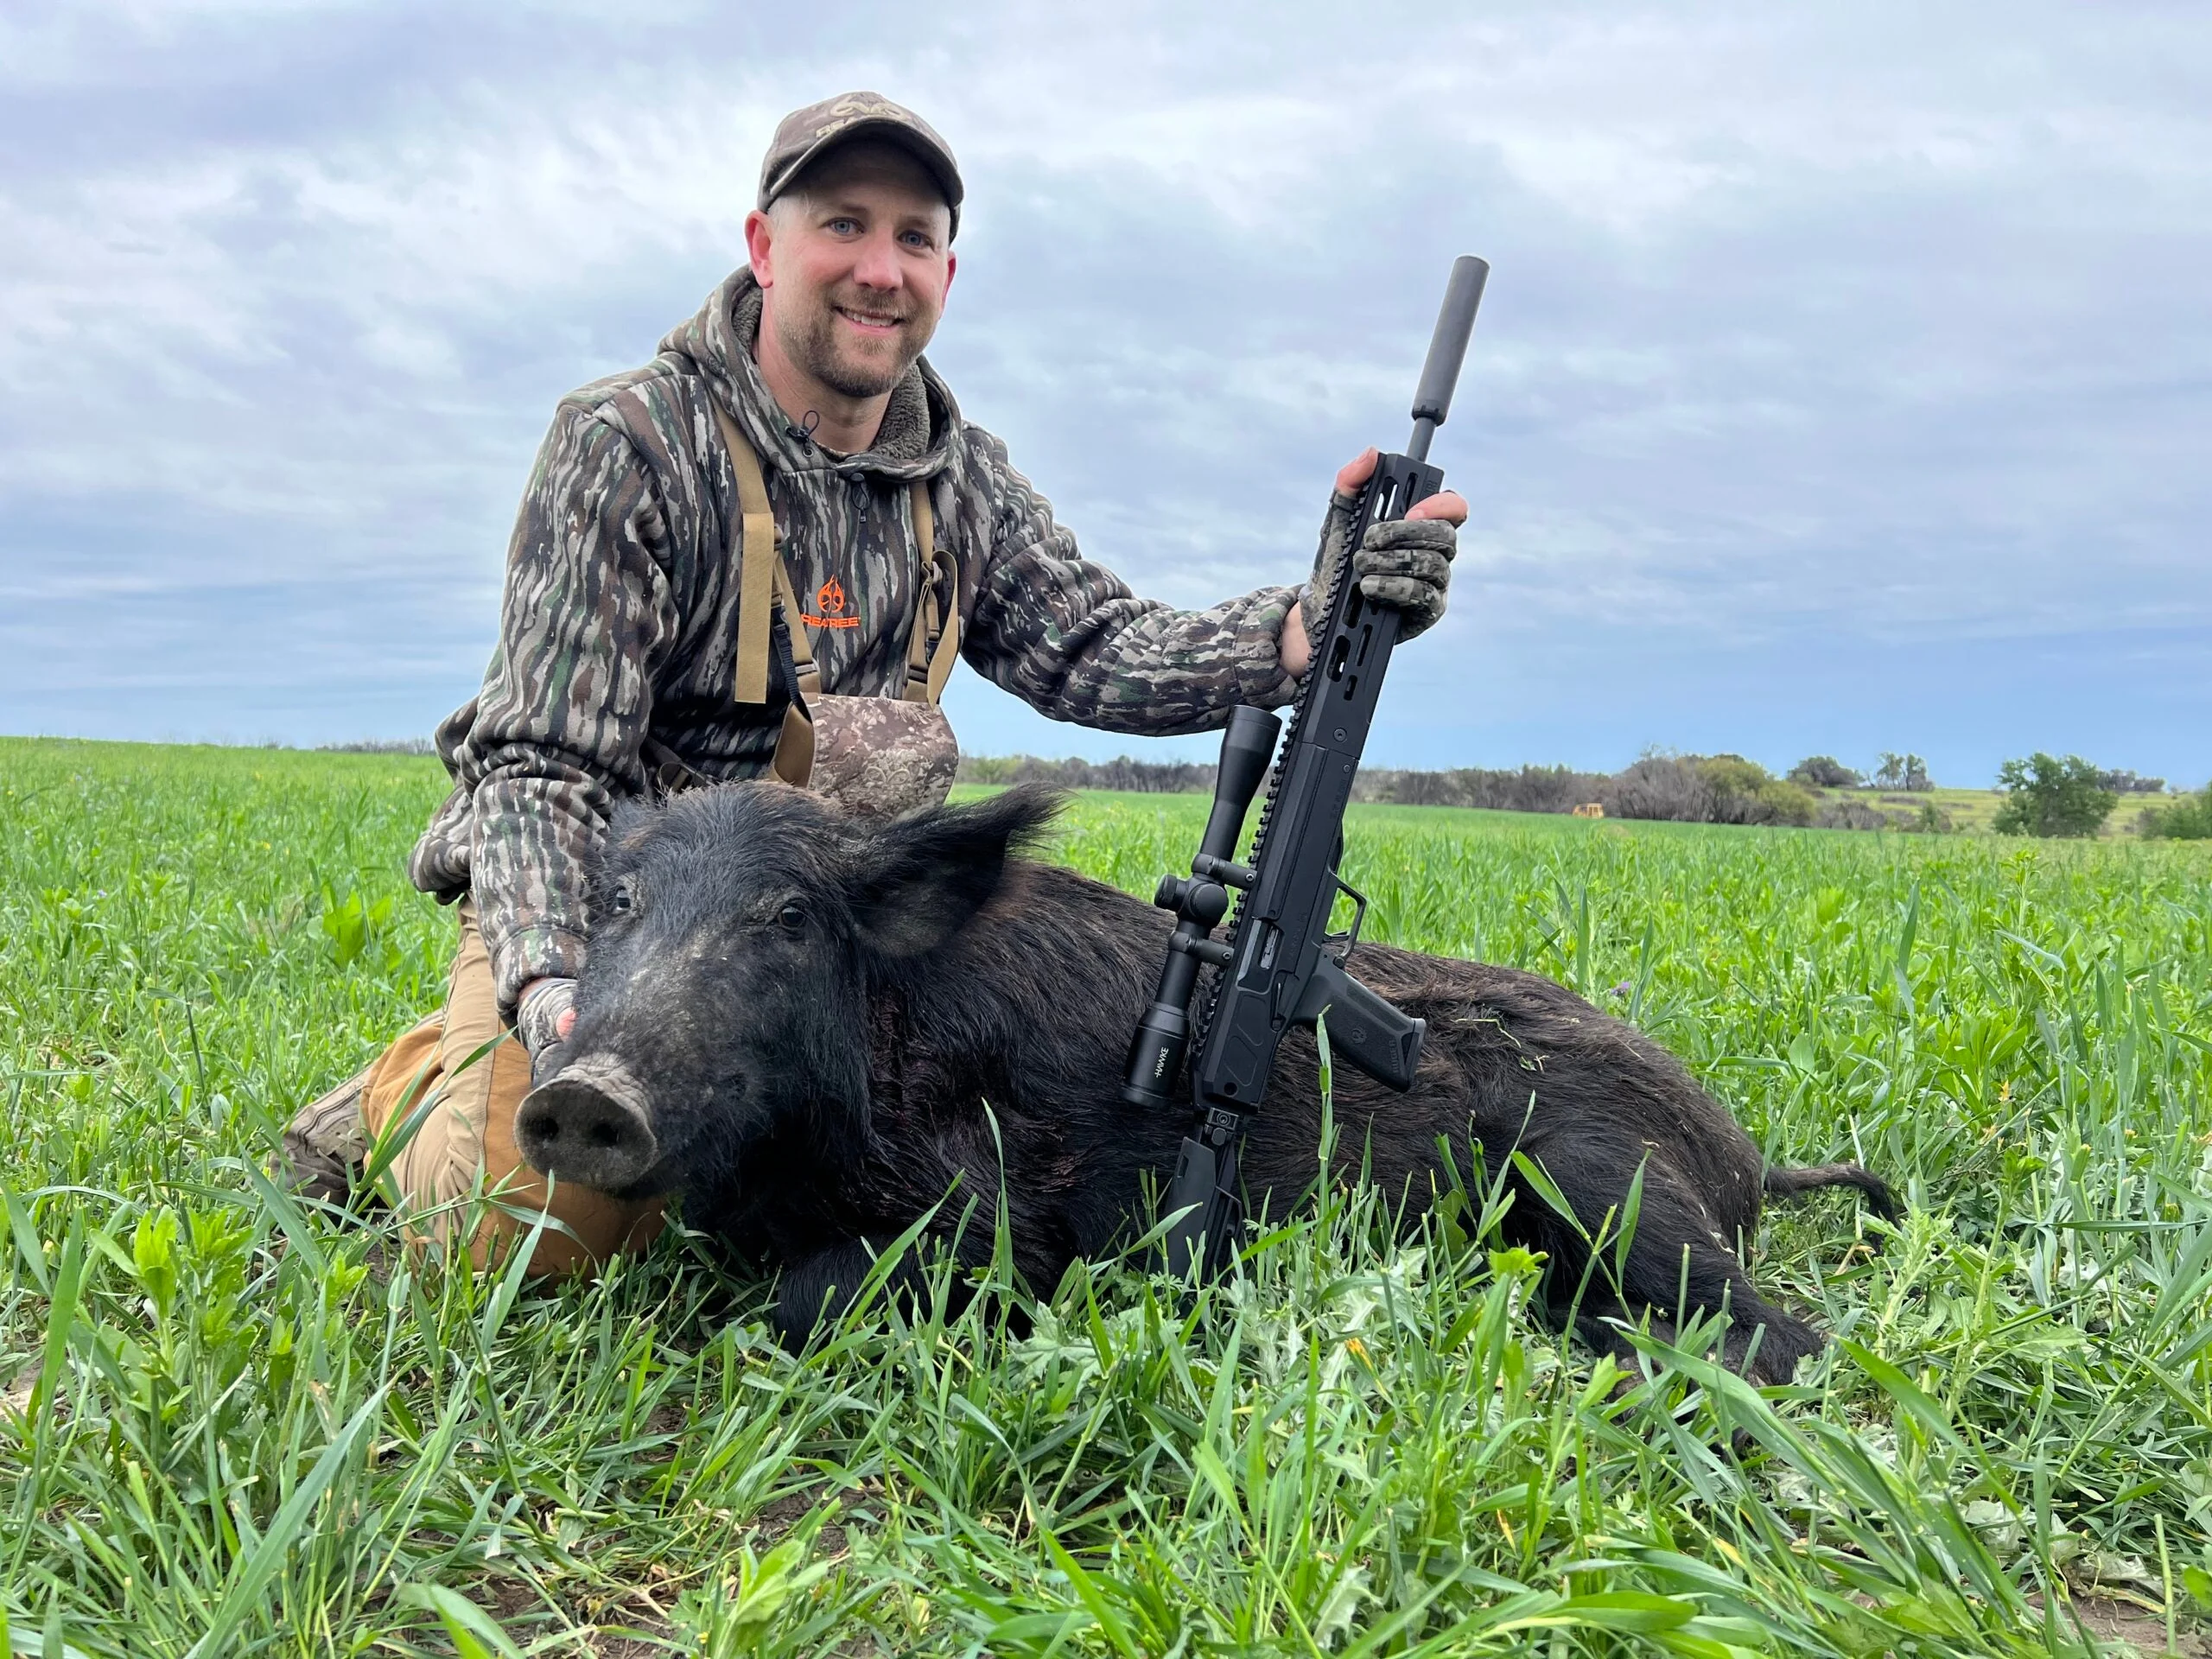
2141 1631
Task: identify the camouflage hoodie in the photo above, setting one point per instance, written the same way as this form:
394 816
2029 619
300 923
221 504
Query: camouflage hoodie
617 626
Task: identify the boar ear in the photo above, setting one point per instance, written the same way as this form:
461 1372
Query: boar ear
920 880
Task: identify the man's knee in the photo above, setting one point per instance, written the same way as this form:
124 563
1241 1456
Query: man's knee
448 1091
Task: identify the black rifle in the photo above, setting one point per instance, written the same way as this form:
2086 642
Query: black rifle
1280 965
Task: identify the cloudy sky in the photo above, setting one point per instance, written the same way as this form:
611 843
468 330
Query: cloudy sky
1844 380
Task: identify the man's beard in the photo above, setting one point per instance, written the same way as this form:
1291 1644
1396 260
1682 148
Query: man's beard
812 344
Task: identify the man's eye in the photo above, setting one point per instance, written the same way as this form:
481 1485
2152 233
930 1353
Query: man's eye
842 226
792 918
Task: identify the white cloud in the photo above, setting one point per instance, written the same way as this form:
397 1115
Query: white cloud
1866 321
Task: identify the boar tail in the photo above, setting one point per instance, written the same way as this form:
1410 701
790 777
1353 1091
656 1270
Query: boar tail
1789 1183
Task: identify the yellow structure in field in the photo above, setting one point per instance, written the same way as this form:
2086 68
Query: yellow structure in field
1591 810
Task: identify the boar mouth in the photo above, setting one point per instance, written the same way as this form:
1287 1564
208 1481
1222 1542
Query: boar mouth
589 1123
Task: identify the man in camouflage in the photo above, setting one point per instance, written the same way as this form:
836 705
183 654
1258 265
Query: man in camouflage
616 670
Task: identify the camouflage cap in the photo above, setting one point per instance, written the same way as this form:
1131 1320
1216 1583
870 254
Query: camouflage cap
805 136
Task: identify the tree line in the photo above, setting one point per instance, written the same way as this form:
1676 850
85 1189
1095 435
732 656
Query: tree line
2046 795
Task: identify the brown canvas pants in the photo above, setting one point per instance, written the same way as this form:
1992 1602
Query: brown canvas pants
470 1129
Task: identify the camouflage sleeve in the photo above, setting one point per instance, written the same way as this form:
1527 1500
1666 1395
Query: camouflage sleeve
585 617
1069 638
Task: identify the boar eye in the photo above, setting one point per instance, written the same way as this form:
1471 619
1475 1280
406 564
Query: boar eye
621 900
792 918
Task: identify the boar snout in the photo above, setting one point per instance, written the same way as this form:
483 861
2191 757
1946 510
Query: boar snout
588 1123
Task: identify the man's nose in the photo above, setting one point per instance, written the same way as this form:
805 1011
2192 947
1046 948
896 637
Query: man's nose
879 265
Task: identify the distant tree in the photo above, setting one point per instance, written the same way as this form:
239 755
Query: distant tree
2189 819
1427 789
1905 771
1534 788
2127 783
2046 796
378 745
1704 789
1669 787
1744 791
1824 771
1528 789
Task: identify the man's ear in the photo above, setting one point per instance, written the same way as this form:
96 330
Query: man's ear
758 239
921 880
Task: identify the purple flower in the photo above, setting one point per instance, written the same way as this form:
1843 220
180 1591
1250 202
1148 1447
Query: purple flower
1623 988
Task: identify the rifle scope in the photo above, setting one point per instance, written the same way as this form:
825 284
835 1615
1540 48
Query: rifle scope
1200 900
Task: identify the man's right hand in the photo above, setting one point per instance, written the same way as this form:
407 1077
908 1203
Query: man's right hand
1405 562
545 1014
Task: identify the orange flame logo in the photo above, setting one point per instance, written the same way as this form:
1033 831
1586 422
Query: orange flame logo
830 601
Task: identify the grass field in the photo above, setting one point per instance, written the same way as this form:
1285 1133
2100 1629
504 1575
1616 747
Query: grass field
233 1426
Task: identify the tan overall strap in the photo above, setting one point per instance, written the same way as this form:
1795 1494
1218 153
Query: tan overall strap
760 571
759 564
793 760
948 640
803 663
928 671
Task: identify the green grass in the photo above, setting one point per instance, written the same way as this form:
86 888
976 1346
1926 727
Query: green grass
233 1426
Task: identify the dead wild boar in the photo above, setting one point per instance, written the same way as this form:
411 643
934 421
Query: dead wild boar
805 1024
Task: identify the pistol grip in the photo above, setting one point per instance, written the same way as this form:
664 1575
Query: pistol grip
1364 1028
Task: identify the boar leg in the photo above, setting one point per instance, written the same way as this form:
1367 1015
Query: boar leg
1783 1341
819 1289
1677 1254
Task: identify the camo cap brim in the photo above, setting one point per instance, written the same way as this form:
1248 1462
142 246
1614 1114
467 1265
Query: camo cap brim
803 136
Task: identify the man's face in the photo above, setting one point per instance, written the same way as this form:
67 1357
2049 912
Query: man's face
855 266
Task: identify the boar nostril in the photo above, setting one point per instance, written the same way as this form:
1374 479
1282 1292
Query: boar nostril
587 1124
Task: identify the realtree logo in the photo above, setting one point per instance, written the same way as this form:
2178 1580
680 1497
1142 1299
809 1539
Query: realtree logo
850 110
830 601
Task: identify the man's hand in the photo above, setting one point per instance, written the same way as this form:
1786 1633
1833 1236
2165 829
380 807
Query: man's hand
545 1014
1405 562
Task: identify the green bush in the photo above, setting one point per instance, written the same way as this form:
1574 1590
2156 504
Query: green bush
1848 812
2188 819
1744 791
2046 796
1931 820
1705 789
1825 771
